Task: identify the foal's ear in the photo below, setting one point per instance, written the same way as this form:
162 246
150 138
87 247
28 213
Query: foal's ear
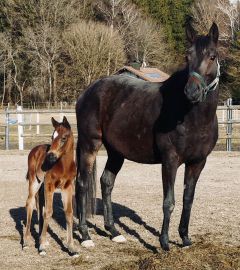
191 34
66 123
214 33
55 123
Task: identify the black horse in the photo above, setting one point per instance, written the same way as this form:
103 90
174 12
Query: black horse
168 123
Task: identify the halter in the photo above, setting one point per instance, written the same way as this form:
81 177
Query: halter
212 86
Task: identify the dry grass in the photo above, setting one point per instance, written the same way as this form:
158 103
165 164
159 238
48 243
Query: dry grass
204 254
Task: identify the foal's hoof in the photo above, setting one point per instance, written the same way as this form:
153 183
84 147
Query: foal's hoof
25 246
164 243
186 241
119 239
88 244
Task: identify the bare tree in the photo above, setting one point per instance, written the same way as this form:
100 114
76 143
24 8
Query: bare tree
88 45
5 64
232 13
43 43
205 12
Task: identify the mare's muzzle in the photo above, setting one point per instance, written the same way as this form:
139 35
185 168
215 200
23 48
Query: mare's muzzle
195 88
49 161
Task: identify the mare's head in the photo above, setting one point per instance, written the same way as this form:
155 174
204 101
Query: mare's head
204 68
62 143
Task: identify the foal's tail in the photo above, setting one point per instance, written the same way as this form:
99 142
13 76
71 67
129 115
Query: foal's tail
27 176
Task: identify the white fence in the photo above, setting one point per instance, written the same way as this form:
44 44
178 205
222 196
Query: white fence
25 120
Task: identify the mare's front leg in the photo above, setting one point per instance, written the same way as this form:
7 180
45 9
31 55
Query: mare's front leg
114 164
169 170
192 173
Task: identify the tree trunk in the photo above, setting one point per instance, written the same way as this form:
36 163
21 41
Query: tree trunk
9 85
50 83
4 84
54 84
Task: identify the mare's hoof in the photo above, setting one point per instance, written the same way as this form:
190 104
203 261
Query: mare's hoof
119 239
75 255
186 242
164 243
42 252
88 244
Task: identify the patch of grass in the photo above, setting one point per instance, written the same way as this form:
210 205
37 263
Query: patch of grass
202 255
80 261
10 237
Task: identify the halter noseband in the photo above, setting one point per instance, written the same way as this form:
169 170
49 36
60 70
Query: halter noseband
212 86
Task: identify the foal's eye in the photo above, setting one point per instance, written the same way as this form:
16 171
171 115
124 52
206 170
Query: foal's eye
213 57
63 139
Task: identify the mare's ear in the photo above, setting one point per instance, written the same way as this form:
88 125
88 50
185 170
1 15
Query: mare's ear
66 123
214 33
191 34
54 123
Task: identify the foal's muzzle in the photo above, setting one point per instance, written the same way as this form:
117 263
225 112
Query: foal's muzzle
49 161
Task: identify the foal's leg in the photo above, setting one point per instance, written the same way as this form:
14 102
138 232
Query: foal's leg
33 189
114 164
84 182
48 211
68 209
169 170
192 173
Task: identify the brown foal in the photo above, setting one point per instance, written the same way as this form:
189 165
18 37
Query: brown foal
54 166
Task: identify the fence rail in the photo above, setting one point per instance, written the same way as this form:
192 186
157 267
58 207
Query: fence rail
20 120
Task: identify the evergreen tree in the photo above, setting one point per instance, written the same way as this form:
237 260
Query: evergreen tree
173 15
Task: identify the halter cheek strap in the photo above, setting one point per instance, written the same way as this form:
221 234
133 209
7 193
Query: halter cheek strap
212 86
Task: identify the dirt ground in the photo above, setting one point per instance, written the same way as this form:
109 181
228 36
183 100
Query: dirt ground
137 197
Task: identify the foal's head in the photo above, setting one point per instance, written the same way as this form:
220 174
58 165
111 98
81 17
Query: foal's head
62 143
204 68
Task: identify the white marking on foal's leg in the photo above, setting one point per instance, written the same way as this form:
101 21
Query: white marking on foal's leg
88 244
119 239
36 186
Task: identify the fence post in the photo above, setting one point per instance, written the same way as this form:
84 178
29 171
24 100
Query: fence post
7 130
20 128
229 125
38 127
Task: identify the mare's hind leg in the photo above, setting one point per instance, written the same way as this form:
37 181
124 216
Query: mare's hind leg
68 209
192 173
114 164
85 193
33 189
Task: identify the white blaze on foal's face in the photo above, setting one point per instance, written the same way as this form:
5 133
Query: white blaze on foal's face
55 134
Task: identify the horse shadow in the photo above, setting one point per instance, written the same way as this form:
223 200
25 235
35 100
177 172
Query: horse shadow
19 217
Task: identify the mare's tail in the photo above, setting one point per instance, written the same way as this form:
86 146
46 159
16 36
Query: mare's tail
91 192
91 188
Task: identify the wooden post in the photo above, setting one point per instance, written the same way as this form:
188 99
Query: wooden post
7 130
38 126
229 125
20 128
